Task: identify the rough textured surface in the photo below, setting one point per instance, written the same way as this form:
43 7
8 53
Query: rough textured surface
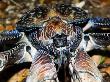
102 11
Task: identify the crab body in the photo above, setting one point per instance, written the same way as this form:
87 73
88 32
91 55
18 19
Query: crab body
56 37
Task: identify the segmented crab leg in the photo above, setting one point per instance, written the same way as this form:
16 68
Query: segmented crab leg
100 39
42 68
83 69
12 56
16 53
97 21
10 37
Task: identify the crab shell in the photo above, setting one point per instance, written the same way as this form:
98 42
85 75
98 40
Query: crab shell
56 28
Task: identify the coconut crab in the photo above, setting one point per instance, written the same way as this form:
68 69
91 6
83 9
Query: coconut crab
56 40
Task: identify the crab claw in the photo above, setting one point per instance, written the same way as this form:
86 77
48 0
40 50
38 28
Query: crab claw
42 68
83 68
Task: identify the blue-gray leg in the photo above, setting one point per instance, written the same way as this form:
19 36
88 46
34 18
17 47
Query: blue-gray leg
10 37
97 22
16 51
100 40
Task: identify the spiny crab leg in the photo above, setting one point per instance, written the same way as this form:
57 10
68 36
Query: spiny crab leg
92 41
97 21
10 37
83 68
12 56
16 53
42 68
100 39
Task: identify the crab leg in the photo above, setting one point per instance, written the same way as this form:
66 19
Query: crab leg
97 21
42 68
16 51
14 55
100 39
10 37
83 68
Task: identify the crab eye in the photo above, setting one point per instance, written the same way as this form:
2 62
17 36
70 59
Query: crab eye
64 9
41 12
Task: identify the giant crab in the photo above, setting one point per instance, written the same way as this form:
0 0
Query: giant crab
57 40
